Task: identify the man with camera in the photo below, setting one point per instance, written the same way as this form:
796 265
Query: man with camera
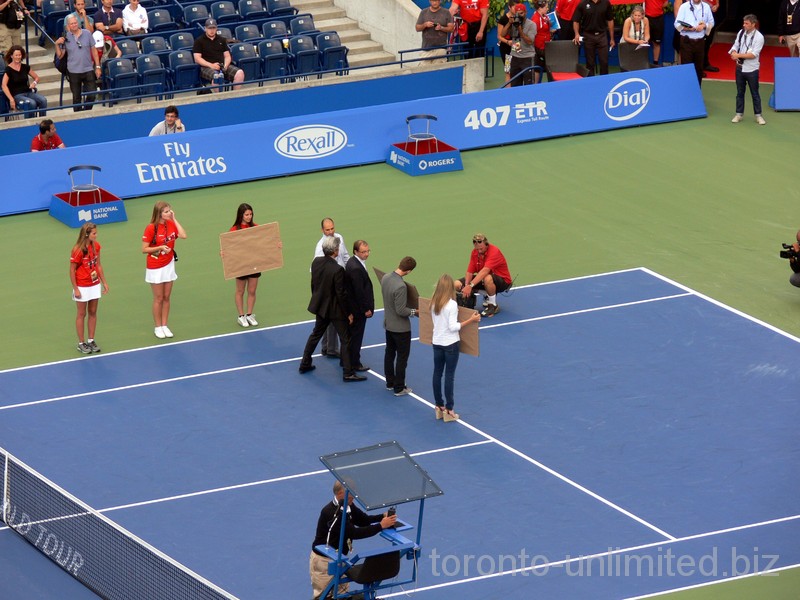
488 271
745 52
792 252
522 32
12 16
436 25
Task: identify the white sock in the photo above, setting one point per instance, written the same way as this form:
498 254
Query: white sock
492 299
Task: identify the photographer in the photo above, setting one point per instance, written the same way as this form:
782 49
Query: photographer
745 52
522 32
12 16
793 254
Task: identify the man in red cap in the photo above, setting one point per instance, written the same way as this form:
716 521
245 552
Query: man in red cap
522 33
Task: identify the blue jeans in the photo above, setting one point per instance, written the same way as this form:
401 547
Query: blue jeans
747 79
445 360
38 101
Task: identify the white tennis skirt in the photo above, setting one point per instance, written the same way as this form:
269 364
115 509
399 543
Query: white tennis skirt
163 275
88 293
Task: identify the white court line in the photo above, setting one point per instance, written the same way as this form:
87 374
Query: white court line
588 557
717 582
240 486
286 360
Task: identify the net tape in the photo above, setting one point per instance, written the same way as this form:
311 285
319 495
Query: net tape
102 555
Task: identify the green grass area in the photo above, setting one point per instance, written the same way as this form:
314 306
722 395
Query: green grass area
704 202
782 585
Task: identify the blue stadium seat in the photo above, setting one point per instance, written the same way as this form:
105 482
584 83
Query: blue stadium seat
225 12
303 25
332 54
250 10
225 32
129 49
305 56
195 14
275 29
158 46
248 33
153 76
274 61
244 56
184 71
160 19
121 74
181 40
280 8
53 13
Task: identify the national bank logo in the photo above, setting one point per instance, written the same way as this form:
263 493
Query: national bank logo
627 99
310 141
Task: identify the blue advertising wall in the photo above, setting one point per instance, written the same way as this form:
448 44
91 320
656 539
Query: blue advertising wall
203 158
234 111
787 84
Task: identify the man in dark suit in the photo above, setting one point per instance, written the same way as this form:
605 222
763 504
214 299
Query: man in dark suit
329 303
362 300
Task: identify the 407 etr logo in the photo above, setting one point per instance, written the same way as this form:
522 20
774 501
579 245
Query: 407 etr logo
526 112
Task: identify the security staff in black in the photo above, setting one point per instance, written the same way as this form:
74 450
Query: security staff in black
594 21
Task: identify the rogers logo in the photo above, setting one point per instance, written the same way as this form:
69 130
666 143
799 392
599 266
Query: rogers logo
424 164
627 99
310 141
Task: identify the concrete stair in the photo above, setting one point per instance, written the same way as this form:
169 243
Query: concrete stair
363 51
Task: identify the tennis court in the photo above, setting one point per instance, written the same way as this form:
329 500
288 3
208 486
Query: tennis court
635 437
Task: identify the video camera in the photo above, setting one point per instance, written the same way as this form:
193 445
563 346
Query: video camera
788 252
518 20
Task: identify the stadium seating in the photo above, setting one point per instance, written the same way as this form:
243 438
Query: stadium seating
129 48
185 73
159 20
158 46
225 12
53 13
333 55
248 33
280 8
121 74
244 56
153 76
305 56
274 61
275 29
251 10
303 25
181 41
195 14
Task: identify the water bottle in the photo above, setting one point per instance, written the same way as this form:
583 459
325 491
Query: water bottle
219 78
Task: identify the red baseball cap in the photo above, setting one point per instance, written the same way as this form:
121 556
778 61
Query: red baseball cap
520 8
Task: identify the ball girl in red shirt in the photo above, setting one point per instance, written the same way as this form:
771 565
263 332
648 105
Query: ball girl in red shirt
88 284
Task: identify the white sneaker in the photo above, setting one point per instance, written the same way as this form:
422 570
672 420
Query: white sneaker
242 321
165 330
251 319
159 331
760 120
737 118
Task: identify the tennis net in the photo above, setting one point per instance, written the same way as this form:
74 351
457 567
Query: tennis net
105 557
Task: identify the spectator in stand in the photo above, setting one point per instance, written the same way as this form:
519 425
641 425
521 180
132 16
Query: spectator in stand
106 47
694 22
543 36
522 32
435 25
564 11
12 16
788 25
636 29
16 83
82 55
212 54
595 22
173 124
134 19
707 66
654 14
745 52
88 284
504 42
475 14
47 139
84 21
108 19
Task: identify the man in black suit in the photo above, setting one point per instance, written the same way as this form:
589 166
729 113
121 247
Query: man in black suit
329 303
362 300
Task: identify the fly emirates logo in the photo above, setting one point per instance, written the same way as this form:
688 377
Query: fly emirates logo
178 163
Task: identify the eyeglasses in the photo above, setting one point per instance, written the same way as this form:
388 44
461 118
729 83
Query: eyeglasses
474 241
79 44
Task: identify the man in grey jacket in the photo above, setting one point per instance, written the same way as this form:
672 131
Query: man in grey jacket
397 324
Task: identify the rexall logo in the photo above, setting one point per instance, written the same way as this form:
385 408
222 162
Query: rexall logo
627 99
310 141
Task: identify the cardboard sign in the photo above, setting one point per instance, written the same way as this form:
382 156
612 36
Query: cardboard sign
252 250
470 339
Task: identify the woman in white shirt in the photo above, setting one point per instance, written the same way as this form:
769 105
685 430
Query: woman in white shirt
134 19
444 312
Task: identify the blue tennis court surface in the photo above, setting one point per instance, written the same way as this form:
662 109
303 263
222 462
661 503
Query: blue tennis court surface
620 435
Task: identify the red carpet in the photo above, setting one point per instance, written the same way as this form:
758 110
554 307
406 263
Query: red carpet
718 56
